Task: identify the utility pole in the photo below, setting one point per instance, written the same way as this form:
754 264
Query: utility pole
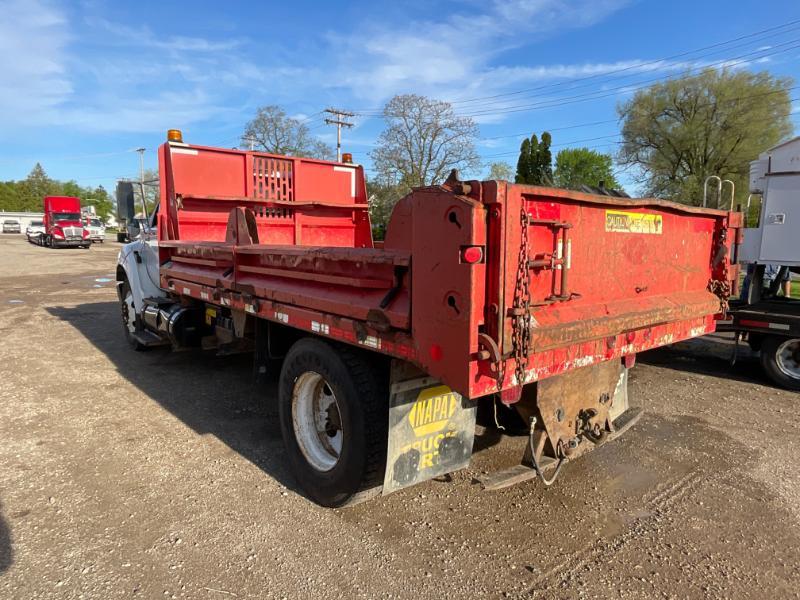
339 122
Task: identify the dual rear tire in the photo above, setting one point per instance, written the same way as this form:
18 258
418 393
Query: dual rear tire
333 406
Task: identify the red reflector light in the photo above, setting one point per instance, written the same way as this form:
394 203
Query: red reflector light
472 254
749 323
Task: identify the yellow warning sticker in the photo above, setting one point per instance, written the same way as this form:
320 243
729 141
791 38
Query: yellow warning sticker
632 222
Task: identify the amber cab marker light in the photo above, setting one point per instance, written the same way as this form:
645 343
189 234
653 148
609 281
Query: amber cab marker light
347 157
174 135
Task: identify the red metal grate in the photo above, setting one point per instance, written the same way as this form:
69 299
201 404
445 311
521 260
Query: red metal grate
273 178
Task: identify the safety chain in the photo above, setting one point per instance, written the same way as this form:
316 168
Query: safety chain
722 290
520 327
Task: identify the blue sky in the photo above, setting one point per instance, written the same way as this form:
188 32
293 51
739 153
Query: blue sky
84 83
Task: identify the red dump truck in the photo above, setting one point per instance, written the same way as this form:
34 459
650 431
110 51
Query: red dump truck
482 293
63 224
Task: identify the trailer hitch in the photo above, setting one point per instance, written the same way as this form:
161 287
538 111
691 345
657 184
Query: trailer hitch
540 464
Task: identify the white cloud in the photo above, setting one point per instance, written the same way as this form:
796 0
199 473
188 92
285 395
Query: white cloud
132 79
33 48
143 36
444 58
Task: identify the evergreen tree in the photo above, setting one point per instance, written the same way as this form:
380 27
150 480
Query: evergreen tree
545 160
535 164
35 187
523 164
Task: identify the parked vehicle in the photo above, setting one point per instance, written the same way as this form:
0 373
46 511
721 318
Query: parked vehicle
62 223
96 229
482 293
765 315
11 226
34 231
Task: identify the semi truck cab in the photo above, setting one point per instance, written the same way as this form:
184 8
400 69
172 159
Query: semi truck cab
63 223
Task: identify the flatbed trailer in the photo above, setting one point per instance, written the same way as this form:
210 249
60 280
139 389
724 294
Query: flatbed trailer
535 297
771 327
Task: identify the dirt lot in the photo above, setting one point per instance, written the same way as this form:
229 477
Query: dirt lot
157 475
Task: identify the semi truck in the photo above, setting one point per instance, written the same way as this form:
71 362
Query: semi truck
63 226
520 299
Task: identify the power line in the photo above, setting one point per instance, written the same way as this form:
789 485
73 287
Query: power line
629 87
705 104
339 122
559 145
492 109
644 64
552 129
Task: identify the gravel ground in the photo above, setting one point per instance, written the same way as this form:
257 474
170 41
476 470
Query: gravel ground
162 475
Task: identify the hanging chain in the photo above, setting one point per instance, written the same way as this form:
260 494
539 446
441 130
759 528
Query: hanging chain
520 327
721 287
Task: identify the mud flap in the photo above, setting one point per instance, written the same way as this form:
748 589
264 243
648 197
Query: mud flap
431 430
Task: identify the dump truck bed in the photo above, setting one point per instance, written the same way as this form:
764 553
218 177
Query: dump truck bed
482 285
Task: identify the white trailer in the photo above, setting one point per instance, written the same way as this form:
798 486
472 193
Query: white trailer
769 321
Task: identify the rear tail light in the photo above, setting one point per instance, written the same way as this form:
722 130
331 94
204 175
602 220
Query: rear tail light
472 254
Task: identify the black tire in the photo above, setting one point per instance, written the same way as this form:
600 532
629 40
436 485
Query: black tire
771 347
132 341
359 383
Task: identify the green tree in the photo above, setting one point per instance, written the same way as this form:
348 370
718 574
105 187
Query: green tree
534 165
500 171
524 162
681 131
544 161
581 166
382 199
423 141
35 187
9 196
100 199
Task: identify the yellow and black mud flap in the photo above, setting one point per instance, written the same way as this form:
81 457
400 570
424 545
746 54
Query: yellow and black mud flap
431 430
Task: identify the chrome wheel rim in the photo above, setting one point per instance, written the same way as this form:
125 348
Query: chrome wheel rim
787 357
129 313
317 421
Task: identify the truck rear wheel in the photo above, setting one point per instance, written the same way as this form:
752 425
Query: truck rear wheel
334 405
129 316
780 358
